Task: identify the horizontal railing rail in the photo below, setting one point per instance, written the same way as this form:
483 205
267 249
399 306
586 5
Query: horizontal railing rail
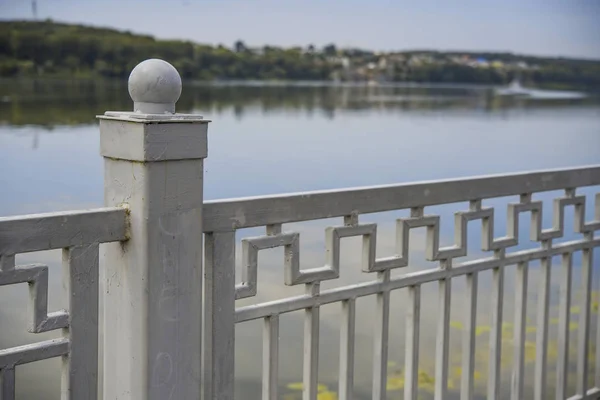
227 214
37 232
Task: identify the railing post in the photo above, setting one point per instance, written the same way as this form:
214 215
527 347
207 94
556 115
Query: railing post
153 282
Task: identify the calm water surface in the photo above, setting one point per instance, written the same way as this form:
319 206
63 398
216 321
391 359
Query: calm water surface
271 139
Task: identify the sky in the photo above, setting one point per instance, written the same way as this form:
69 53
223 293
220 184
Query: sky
538 27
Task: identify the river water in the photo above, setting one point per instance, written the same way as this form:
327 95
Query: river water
268 139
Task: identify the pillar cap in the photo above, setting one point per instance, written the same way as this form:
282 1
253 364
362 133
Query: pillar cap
154 86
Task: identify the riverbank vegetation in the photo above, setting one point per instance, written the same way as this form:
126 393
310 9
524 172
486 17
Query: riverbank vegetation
51 49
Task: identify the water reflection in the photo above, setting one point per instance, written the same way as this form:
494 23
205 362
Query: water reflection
270 139
48 103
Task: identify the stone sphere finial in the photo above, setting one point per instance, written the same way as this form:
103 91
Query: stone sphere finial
154 87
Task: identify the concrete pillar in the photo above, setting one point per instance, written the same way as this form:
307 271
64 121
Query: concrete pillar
153 282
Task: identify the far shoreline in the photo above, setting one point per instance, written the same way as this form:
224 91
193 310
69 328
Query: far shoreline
298 83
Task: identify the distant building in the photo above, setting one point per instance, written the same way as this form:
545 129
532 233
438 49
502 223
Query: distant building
397 58
345 62
522 65
482 63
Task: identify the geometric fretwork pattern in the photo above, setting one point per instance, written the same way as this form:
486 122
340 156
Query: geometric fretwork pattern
81 266
433 252
448 270
78 344
368 232
290 241
36 276
250 249
488 242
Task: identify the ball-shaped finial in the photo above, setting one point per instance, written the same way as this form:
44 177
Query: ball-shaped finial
154 87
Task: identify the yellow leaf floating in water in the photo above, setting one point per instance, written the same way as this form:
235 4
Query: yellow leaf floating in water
573 326
458 371
395 382
529 351
295 386
300 386
480 330
426 381
456 325
425 378
327 395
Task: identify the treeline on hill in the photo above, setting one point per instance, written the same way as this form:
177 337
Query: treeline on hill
47 48
555 72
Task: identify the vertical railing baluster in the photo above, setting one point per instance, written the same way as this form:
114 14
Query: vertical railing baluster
270 358
219 311
584 322
80 282
411 358
7 384
380 354
543 308
347 334
468 344
7 375
442 339
495 362
564 308
311 347
518 372
38 295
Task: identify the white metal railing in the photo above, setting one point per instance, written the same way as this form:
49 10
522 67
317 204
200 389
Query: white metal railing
163 291
223 218
78 233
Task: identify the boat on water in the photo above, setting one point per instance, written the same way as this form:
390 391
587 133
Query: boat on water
515 89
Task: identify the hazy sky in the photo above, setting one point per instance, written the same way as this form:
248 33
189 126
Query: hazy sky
542 27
